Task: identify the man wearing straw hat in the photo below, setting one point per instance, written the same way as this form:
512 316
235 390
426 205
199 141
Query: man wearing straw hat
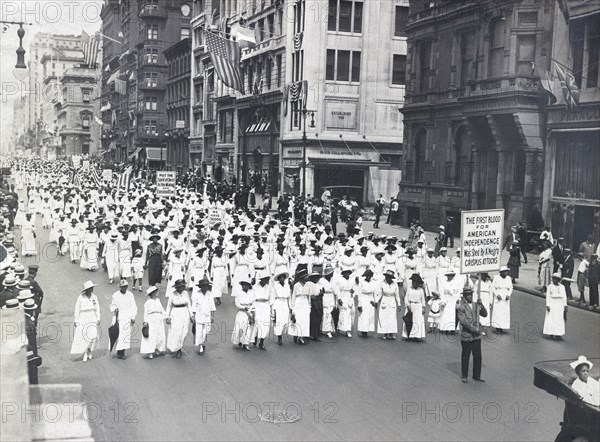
10 291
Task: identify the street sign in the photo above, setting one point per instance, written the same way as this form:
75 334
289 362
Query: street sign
107 174
481 240
165 183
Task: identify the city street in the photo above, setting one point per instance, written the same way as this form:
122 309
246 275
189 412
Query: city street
344 389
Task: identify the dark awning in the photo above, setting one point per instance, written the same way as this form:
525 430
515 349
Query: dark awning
156 153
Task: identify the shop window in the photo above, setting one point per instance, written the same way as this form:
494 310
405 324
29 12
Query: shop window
399 69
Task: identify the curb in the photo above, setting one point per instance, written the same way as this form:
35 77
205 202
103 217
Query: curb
570 302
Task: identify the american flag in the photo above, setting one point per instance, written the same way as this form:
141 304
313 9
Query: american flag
120 86
124 179
225 55
90 47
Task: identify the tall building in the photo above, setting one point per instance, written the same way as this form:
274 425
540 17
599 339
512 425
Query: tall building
134 114
345 66
572 185
178 59
75 109
474 114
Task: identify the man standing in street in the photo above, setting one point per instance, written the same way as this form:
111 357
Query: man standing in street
567 272
379 205
594 279
470 335
522 235
394 208
38 293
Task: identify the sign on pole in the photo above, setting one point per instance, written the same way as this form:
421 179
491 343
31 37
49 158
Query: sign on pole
481 240
165 183
107 174
85 164
214 217
76 161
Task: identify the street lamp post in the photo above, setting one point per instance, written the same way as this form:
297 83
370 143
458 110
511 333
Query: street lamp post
305 112
20 33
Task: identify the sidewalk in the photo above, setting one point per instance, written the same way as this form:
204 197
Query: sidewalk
527 281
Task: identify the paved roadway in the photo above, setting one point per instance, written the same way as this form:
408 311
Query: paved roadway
346 389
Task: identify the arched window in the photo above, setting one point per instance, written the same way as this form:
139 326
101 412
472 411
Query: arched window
497 33
420 140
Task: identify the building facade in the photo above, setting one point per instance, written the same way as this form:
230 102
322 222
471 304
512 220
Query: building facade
475 112
178 59
349 65
572 186
75 110
133 106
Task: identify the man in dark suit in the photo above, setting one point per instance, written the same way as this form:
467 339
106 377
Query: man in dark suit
379 205
470 335
449 232
38 293
567 271
10 290
558 252
512 238
522 235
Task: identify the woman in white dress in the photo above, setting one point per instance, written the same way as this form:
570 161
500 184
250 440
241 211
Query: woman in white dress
263 298
411 266
175 270
556 308
203 309
485 292
89 253
20 215
414 300
244 318
344 290
179 316
125 256
502 289
429 270
281 305
389 305
329 301
300 304
28 243
87 320
154 316
451 294
367 301
218 275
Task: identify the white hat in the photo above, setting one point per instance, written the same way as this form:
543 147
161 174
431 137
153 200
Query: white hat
123 283
151 290
504 269
244 279
450 272
581 360
262 274
557 275
442 228
88 285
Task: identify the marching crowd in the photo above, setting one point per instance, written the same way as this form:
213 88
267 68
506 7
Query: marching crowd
286 269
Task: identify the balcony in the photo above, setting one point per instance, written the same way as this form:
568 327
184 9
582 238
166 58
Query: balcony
153 11
271 44
152 85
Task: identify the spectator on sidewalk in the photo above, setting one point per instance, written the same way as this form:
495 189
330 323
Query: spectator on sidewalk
449 232
587 247
379 206
594 279
440 240
394 208
522 235
582 276
567 272
558 255
546 235
544 269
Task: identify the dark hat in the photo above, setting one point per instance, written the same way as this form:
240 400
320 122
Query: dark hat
390 274
368 272
204 283
179 283
302 273
467 291
416 277
33 268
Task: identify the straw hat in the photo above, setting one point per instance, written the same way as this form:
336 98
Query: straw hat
11 304
151 289
581 360
88 285
29 304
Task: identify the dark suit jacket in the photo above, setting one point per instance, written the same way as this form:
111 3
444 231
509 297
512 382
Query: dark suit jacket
6 294
568 266
468 321
31 331
558 253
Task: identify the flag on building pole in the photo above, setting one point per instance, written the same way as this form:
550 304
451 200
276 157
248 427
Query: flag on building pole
90 47
246 37
568 85
547 83
225 55
120 86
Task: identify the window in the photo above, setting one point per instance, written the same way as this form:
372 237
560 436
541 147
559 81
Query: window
425 65
585 50
85 95
345 16
343 66
151 56
525 54
419 171
355 66
152 32
226 126
401 20
399 69
467 57
268 68
151 103
330 65
497 33
85 121
151 79
278 70
150 127
185 33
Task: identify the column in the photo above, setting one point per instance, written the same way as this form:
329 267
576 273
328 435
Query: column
534 180
310 180
476 178
500 183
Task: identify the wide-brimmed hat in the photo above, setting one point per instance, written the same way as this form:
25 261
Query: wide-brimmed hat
29 304
204 283
302 273
151 289
25 294
314 275
556 275
179 283
280 274
123 283
390 274
11 304
244 280
450 273
88 285
581 360
347 270
391 247
24 284
368 272
114 235
416 277
430 250
9 281
154 236
504 269
263 274
328 270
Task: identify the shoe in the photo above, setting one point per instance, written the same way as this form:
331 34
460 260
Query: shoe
239 344
85 356
478 379
295 339
121 357
151 356
279 340
464 380
90 354
141 290
301 341
245 347
110 281
157 353
178 354
349 334
201 351
384 338
392 337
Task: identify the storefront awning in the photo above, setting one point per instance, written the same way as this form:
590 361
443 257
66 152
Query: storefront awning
156 153
355 164
135 153
260 126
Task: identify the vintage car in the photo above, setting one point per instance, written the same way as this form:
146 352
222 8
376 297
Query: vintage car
581 421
